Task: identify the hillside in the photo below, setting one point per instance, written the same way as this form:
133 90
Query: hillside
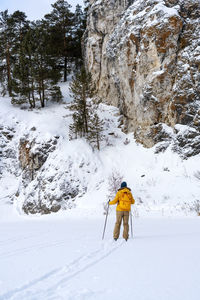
42 171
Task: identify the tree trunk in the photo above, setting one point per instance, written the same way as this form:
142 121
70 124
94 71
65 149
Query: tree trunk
98 144
65 69
65 59
43 94
85 117
32 80
29 97
39 91
32 93
8 71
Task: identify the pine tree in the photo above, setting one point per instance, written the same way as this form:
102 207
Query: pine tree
96 127
20 81
35 73
23 72
12 31
81 89
20 26
76 129
29 49
87 4
79 26
20 76
33 55
46 74
86 121
60 22
6 41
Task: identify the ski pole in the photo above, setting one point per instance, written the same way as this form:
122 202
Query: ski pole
105 221
131 224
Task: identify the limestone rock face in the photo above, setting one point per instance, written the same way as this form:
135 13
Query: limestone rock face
144 57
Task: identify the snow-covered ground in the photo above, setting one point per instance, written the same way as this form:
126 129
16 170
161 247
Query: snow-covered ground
63 257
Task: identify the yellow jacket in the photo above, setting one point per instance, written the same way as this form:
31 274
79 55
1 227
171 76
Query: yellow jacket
124 199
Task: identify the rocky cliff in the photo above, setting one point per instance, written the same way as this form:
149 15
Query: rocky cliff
144 57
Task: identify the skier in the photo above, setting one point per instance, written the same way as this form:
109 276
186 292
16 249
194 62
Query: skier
123 199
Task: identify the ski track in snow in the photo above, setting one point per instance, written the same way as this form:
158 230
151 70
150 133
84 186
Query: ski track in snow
39 246
57 278
11 240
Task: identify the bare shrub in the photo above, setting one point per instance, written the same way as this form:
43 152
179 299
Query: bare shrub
192 207
196 207
135 212
197 175
114 182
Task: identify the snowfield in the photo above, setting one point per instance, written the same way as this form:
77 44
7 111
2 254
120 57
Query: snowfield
62 256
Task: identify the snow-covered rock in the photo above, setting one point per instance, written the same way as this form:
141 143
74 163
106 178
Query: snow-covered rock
144 57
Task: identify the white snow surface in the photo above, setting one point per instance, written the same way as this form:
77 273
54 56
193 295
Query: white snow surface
62 256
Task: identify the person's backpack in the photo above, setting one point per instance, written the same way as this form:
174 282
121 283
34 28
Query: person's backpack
125 202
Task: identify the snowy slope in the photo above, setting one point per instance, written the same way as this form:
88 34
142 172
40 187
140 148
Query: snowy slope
161 183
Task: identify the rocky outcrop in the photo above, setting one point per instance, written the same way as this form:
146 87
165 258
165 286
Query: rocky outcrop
46 181
8 155
32 155
43 192
144 57
51 179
